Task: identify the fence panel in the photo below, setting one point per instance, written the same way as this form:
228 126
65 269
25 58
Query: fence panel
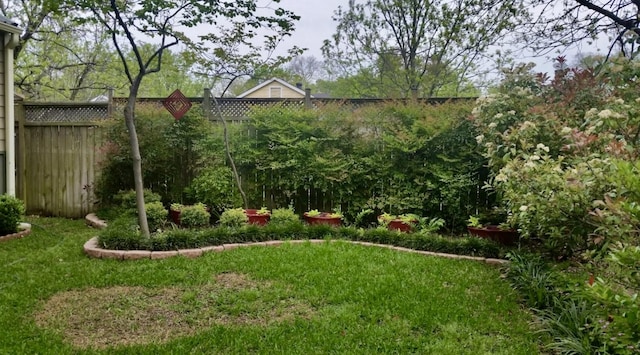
59 167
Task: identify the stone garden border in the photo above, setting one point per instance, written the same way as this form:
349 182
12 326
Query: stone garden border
17 235
92 249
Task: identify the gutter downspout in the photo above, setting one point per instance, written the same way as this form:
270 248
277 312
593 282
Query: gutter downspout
10 42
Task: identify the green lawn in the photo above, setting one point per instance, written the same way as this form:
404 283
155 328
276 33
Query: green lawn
291 299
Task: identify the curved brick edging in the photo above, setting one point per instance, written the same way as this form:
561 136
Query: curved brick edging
17 235
93 221
92 249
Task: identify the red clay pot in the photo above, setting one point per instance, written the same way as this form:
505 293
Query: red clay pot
323 218
400 225
502 236
175 216
256 218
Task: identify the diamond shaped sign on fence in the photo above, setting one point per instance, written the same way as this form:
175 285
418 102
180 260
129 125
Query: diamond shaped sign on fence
177 104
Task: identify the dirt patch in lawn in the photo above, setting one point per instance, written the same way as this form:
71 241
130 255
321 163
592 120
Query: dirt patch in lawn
120 316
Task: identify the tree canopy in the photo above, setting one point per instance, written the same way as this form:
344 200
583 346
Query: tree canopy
558 24
415 47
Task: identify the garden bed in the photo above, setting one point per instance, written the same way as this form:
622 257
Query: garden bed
198 242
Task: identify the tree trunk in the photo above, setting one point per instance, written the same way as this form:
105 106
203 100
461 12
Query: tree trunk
129 115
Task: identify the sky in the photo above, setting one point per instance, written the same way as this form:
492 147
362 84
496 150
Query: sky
316 25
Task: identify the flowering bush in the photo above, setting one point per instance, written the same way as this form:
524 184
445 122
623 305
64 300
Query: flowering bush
553 150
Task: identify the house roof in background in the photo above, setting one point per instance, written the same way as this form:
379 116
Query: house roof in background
270 81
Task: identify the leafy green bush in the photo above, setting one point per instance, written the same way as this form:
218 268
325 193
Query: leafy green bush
553 149
234 217
283 216
168 148
156 215
194 216
124 203
127 198
215 187
180 239
122 234
11 209
573 327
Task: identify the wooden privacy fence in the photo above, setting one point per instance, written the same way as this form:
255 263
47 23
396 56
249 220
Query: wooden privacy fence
59 149
57 158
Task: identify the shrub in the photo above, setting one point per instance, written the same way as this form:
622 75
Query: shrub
552 148
169 152
194 216
283 216
215 188
124 203
234 217
127 199
122 234
11 209
156 215
178 207
181 239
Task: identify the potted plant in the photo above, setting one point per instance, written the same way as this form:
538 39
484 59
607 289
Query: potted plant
194 216
403 223
502 232
233 217
259 217
329 218
174 212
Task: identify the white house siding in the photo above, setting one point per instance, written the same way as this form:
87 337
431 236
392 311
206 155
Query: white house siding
2 111
265 92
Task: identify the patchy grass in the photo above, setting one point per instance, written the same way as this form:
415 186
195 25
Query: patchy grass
125 315
293 299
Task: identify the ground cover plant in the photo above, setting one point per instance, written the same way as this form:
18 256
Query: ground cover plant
297 298
124 234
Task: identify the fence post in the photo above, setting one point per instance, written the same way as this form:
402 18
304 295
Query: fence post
206 102
307 98
110 103
20 116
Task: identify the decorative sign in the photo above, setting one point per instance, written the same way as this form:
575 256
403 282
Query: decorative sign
177 104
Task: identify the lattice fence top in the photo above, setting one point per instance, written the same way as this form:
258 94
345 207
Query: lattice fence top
232 109
56 112
239 109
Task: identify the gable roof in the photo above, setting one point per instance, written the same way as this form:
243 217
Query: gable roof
271 81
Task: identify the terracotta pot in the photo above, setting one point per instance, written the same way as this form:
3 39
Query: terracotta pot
323 218
260 219
400 225
502 236
175 216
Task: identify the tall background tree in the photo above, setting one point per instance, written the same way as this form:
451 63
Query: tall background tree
556 25
161 24
57 59
412 48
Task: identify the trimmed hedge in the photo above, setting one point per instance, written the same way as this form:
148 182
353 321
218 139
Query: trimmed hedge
184 239
11 210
